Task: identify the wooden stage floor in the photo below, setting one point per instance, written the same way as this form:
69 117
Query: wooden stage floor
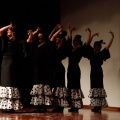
84 114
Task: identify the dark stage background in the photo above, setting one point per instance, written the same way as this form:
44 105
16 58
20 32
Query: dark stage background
28 14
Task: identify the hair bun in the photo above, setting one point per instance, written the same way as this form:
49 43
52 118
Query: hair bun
101 41
63 33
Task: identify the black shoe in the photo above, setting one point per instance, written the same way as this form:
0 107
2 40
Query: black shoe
58 109
40 109
99 109
8 111
93 110
96 109
75 110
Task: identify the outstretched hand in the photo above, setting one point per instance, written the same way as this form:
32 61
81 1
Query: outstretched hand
88 29
11 25
71 28
38 29
111 33
30 32
96 34
59 26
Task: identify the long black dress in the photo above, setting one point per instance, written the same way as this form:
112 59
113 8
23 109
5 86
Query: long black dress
11 74
41 91
60 92
0 58
74 75
97 92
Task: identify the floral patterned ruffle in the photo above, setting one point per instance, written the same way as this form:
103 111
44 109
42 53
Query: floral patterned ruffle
102 102
76 98
98 97
9 98
60 96
60 92
76 94
41 95
76 103
97 92
41 100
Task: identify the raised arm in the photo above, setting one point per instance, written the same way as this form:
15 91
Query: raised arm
90 37
32 33
70 29
111 41
37 31
56 33
30 36
5 28
54 30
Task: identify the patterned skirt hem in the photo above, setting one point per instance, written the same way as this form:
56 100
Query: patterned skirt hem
41 89
41 100
97 93
76 94
77 103
10 104
102 102
9 92
60 92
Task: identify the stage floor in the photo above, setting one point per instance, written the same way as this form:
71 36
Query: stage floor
84 114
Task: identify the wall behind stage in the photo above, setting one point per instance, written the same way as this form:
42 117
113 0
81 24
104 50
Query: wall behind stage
28 14
101 16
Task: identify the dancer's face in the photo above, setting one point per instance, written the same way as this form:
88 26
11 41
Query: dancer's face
10 34
97 48
75 42
58 40
40 38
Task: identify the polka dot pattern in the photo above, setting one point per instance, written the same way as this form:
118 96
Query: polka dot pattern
76 98
41 95
97 92
41 89
76 94
60 96
60 92
10 98
98 97
77 103
102 102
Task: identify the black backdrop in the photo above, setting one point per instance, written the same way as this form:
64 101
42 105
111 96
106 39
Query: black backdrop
28 14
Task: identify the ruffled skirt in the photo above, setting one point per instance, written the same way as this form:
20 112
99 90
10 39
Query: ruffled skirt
41 95
98 97
60 97
10 98
76 96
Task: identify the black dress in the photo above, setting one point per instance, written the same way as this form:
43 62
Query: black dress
97 92
0 59
41 91
11 74
60 92
74 75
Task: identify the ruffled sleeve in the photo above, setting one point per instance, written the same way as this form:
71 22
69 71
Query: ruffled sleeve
87 51
105 54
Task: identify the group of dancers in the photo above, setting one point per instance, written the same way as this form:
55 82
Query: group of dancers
45 54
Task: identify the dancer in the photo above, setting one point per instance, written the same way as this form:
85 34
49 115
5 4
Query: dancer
12 51
75 54
96 56
60 93
41 91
